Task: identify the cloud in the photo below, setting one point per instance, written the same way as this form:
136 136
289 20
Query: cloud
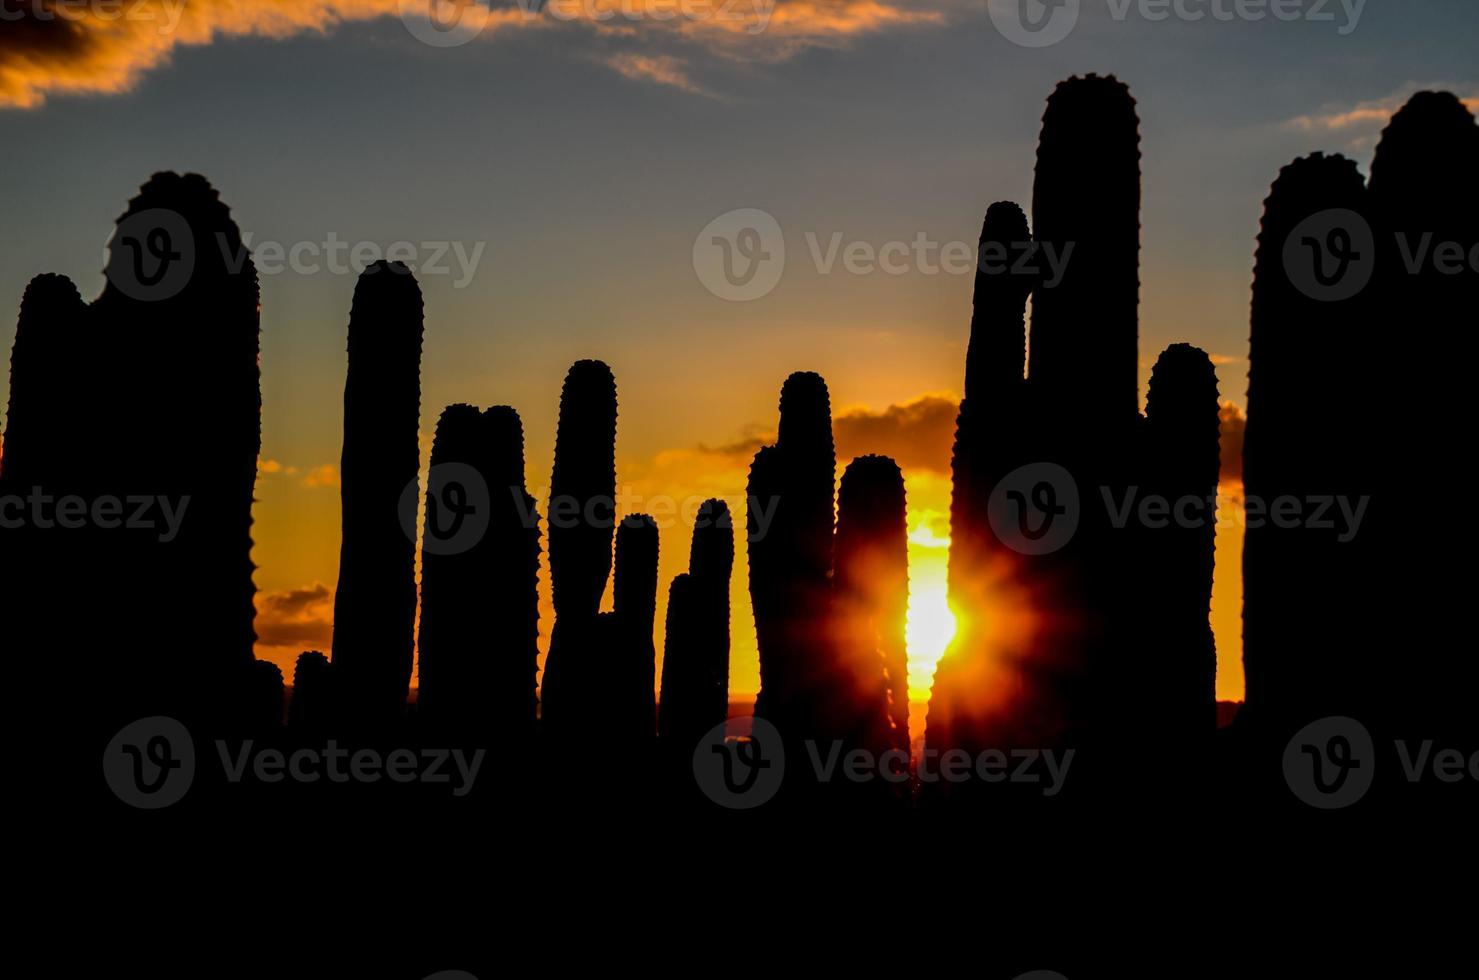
326 475
1231 431
63 47
271 467
662 69
300 619
1361 123
917 434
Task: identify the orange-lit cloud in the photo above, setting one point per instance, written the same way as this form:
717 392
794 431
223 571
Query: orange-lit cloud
61 47
294 621
326 475
917 434
1359 124
1231 432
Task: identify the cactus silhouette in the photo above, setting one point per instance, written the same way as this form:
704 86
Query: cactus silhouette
511 550
695 663
375 603
1296 578
311 709
793 482
582 524
1425 213
989 442
871 581
631 657
41 422
454 639
1172 689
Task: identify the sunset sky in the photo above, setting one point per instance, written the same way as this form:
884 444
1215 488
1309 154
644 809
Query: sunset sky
577 159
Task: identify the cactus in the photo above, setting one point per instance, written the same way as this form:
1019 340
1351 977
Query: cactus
1424 200
582 523
1173 688
1299 653
41 421
791 561
695 665
1086 197
311 710
512 600
631 657
871 580
454 638
375 604
989 443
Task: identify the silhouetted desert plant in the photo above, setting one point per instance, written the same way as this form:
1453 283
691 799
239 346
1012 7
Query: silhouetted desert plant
871 583
630 654
311 708
791 559
582 523
41 422
1172 686
1298 660
265 698
695 665
375 603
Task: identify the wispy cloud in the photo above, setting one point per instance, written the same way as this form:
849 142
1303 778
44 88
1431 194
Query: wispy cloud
1358 125
52 47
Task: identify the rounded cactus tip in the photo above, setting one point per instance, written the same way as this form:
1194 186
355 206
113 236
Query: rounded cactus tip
590 370
503 422
804 391
874 466
50 286
1005 222
714 513
637 522
1182 374
1092 85
458 412
1430 107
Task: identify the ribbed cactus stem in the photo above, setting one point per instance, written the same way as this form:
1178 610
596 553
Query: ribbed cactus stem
37 433
1300 349
871 580
633 657
311 710
1175 691
695 667
375 603
582 523
1086 215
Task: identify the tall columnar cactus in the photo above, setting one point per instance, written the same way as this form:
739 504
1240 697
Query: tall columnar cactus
631 654
871 580
695 665
1425 212
989 443
512 555
311 709
454 640
1173 685
375 605
41 420
171 344
1302 649
582 523
791 559
1086 214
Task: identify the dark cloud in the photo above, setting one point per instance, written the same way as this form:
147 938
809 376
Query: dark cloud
1232 426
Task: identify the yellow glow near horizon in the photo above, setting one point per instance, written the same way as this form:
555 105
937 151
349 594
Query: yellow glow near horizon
930 628
931 623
